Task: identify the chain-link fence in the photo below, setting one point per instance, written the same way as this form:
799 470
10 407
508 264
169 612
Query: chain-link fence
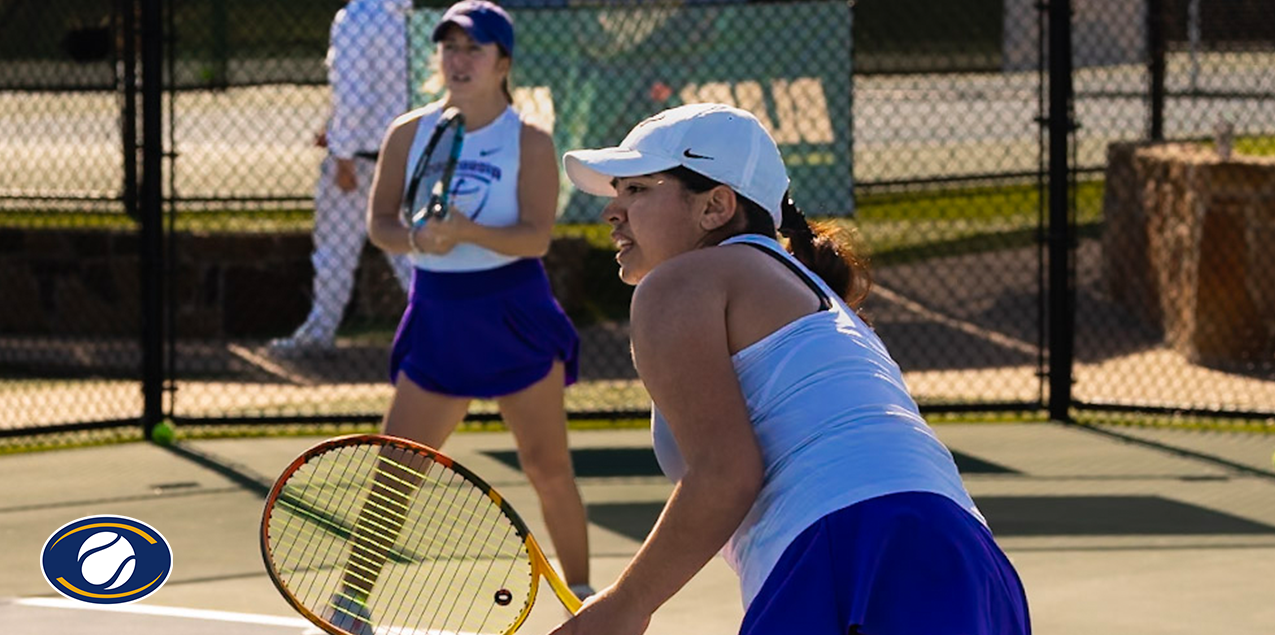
1175 290
922 123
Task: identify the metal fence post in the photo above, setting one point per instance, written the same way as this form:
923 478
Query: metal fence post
1061 287
1156 68
126 71
152 217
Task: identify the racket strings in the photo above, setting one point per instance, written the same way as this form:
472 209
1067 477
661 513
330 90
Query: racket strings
472 537
312 520
435 532
329 486
398 539
380 521
463 533
508 574
488 543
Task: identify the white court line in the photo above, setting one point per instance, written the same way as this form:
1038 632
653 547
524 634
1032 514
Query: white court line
167 611
203 614
987 334
268 365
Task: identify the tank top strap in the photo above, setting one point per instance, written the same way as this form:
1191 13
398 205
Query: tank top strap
772 248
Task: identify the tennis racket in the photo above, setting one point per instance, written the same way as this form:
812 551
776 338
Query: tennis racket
434 171
368 534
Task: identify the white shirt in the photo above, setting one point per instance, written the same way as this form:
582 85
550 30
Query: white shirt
484 187
367 68
835 424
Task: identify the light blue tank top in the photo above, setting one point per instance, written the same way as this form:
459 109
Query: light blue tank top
836 426
484 188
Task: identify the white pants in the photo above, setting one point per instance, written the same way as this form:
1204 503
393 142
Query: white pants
340 230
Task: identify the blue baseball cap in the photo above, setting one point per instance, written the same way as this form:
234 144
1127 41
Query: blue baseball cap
483 21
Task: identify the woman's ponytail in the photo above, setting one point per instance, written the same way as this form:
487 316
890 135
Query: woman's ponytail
828 249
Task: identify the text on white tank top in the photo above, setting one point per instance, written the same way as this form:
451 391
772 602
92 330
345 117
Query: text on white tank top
835 424
484 188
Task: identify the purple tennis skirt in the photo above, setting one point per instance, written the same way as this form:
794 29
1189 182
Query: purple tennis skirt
483 333
912 563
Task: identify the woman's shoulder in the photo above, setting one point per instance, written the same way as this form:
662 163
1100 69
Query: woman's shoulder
416 114
405 125
402 132
726 270
699 271
717 261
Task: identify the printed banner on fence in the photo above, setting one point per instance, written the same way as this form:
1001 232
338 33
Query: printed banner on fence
593 73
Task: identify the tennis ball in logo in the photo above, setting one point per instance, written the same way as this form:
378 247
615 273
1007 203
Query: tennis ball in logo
163 433
106 558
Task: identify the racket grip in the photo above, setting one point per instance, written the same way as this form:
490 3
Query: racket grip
437 202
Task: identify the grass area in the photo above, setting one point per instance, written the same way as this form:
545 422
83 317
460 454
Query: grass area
1178 422
974 204
897 227
900 228
886 220
1252 146
256 221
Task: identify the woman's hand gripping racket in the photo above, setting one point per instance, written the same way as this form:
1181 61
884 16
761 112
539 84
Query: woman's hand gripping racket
434 171
372 534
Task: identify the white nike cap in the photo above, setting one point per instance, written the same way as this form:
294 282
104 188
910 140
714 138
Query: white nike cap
721 142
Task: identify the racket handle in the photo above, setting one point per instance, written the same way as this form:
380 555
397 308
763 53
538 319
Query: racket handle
433 209
437 203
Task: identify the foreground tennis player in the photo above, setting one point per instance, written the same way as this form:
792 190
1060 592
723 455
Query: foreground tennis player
795 446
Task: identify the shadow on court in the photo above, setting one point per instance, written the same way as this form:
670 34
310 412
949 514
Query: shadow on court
1055 515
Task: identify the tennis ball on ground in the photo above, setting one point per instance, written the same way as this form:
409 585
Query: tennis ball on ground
163 433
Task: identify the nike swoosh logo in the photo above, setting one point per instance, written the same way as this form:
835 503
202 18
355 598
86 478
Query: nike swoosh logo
489 152
691 155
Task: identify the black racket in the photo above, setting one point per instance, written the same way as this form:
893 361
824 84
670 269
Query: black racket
434 171
375 534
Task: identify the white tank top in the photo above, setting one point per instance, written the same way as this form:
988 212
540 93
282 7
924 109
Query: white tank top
484 188
836 426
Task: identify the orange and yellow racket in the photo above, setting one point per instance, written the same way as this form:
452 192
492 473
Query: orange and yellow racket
372 534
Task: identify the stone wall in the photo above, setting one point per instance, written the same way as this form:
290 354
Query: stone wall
1126 265
1190 246
87 282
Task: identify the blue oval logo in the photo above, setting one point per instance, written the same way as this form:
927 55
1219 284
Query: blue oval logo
106 560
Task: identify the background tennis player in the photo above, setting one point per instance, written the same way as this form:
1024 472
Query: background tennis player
481 320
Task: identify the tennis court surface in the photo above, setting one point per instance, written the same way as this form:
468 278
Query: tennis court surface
1115 530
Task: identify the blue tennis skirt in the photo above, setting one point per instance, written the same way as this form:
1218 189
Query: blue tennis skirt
912 563
483 333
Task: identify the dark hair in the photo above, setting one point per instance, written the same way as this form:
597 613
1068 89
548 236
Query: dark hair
826 248
504 85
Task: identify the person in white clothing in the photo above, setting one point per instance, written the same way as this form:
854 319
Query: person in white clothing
794 445
367 71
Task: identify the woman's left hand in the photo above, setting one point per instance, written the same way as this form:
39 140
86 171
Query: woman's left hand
605 614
